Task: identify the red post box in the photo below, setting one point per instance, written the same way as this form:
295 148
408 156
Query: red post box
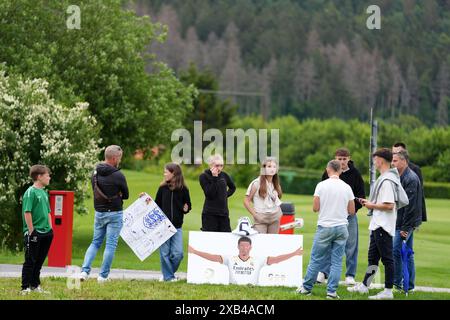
61 207
288 216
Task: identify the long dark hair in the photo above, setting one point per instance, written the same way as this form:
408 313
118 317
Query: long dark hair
263 180
177 182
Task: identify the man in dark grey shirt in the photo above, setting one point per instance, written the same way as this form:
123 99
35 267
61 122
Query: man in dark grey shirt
399 146
408 219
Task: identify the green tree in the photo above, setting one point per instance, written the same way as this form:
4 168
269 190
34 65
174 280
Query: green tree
395 69
102 63
214 113
34 129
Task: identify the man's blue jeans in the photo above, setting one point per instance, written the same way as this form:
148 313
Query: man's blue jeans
171 254
107 224
398 266
327 242
351 249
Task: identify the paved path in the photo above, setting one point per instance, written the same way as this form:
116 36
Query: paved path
15 271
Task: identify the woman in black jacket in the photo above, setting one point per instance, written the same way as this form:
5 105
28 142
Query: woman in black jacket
217 187
174 200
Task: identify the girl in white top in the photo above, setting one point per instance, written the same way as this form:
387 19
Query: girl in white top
265 193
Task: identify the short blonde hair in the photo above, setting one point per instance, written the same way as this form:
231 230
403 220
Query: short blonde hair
113 151
334 165
215 158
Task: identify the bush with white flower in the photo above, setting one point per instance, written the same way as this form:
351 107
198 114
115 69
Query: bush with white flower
34 129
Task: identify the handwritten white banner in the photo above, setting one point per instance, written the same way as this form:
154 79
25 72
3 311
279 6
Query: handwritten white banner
145 227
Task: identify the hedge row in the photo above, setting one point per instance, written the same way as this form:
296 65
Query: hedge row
305 184
293 180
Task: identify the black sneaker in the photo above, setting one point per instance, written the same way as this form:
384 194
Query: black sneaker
398 289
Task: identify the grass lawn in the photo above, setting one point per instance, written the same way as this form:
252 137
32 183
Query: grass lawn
155 290
431 243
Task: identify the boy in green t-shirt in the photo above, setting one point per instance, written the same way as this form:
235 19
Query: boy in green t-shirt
37 228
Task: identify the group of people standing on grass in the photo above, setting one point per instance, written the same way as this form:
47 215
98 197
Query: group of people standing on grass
262 198
173 197
334 200
396 208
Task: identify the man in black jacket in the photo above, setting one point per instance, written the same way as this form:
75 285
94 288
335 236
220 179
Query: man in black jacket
399 146
408 218
217 186
353 178
110 188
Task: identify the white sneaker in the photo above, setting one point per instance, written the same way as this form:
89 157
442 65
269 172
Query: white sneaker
39 289
332 296
321 278
100 279
382 295
350 281
26 291
359 288
161 279
303 291
83 276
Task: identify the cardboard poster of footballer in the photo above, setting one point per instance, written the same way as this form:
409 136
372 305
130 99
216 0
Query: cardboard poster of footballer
259 259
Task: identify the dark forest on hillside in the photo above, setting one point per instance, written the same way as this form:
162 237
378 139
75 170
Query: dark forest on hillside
315 58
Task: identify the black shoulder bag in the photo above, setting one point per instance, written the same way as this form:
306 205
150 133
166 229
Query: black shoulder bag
98 193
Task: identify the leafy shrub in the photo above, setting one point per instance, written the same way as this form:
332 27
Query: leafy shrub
34 129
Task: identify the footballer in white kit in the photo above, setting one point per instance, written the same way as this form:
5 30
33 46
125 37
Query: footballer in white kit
244 272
